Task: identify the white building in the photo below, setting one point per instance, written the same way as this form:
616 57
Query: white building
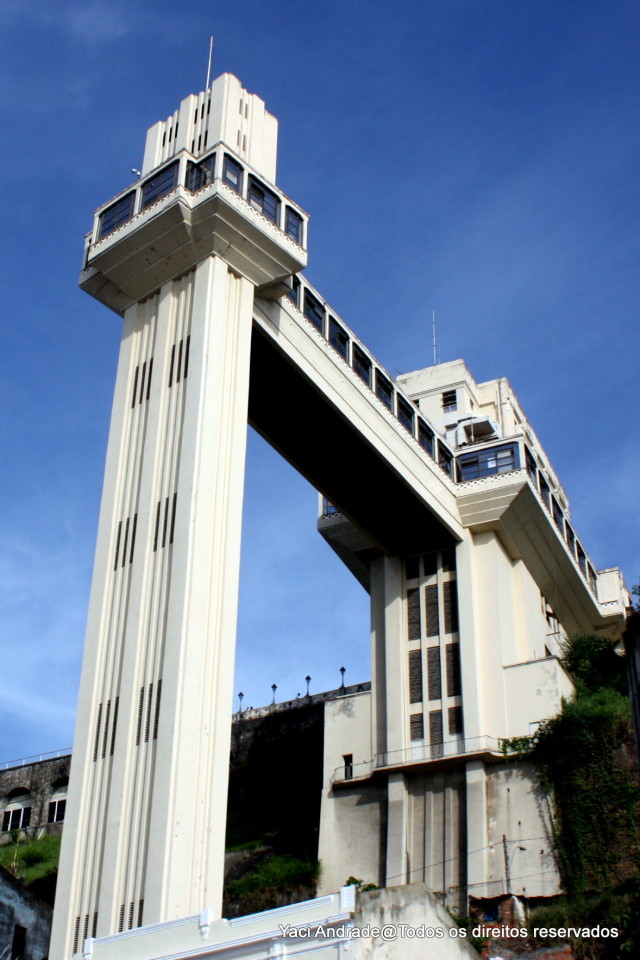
456 523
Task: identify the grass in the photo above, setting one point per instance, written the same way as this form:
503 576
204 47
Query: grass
32 860
278 872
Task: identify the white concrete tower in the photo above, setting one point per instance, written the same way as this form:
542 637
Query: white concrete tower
179 255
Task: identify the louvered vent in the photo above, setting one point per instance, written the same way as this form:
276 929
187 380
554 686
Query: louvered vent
416 726
450 595
455 722
434 676
431 604
454 686
413 613
415 676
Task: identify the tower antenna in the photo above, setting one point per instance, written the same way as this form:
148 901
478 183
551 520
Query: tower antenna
209 64
433 327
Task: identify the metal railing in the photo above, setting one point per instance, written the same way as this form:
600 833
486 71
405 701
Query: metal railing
37 758
419 753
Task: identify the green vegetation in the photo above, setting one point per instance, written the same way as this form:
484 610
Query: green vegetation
31 860
269 880
585 759
360 884
278 872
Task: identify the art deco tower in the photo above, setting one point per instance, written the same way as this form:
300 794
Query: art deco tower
438 497
179 255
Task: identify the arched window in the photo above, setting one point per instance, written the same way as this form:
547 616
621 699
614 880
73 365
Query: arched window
17 813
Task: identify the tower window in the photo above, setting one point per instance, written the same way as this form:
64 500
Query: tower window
338 338
293 225
545 493
232 173
405 414
445 459
313 311
199 175
160 185
117 214
425 437
361 365
294 293
449 401
348 766
384 390
263 200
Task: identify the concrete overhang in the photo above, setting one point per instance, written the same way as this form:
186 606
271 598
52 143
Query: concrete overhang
311 428
508 505
177 232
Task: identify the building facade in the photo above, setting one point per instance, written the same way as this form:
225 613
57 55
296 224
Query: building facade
443 505
33 795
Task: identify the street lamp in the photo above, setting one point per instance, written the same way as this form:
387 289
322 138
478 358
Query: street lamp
308 679
342 671
274 687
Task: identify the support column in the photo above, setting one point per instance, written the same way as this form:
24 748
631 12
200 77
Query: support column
150 771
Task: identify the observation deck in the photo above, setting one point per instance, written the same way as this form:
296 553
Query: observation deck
184 211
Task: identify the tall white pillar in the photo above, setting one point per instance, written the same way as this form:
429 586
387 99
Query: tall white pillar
145 832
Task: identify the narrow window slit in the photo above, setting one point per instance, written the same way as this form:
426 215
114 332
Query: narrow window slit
116 707
106 729
140 709
133 536
115 562
179 362
96 742
147 725
164 524
135 387
156 718
155 535
173 358
124 545
186 357
173 518
142 379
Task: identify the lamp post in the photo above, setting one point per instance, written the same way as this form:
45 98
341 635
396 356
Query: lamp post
274 687
240 698
308 679
342 671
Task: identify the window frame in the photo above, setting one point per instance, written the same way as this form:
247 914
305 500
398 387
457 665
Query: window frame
292 215
119 220
160 185
255 187
229 162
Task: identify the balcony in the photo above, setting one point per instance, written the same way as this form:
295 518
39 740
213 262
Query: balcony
418 756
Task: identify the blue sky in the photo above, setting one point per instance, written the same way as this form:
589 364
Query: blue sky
479 157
